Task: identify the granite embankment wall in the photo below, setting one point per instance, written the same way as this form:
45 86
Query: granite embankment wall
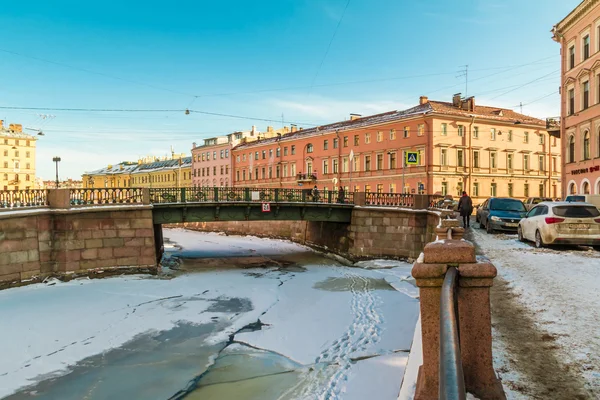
373 232
38 243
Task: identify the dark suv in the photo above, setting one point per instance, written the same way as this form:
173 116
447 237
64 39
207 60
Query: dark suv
500 213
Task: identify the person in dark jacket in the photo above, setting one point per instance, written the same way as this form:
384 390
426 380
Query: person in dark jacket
341 195
465 208
315 193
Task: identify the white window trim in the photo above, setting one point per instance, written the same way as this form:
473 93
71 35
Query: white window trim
583 34
573 44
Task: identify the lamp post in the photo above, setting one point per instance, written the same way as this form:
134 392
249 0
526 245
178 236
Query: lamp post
56 160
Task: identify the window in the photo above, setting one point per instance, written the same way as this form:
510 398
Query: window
5 153
392 134
325 166
285 171
525 137
406 132
356 140
264 154
461 130
493 159
256 155
354 164
586 95
27 154
237 175
541 189
214 170
444 188
28 166
493 190
571 149
379 136
293 169
510 136
541 163
379 162
460 158
222 154
367 188
476 132
226 153
379 188
444 157
367 138
586 47
367 163
586 145
459 188
392 160
509 161
335 143
444 129
420 129
16 153
475 189
244 175
392 188
325 145
421 157
293 150
270 172
221 171
264 173
278 152
214 155
334 164
493 134
554 164
345 141
285 151
541 138
571 57
510 190
571 110
244 157
345 164
526 162
475 159
227 169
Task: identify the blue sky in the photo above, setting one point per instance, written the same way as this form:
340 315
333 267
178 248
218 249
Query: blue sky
262 59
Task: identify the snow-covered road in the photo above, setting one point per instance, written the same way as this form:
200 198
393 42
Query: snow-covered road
546 313
303 327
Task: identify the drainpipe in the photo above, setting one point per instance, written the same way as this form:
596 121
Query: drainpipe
470 184
549 166
339 158
427 156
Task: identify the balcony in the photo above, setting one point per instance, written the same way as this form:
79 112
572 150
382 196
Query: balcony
553 125
306 178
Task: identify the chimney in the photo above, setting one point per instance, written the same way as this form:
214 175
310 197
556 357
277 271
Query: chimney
456 100
294 128
423 100
269 129
471 104
354 116
253 130
1 124
19 128
11 127
193 145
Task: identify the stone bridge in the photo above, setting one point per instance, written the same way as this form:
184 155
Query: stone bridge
71 232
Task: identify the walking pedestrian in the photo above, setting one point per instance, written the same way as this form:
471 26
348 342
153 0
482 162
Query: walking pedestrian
465 208
315 193
341 195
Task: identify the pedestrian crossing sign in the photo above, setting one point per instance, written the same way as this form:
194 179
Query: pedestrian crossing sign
412 158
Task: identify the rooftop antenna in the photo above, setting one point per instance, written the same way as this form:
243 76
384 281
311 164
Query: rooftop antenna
465 72
521 107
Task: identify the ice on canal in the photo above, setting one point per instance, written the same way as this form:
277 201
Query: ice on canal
278 321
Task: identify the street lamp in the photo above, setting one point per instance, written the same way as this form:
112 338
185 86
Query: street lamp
56 160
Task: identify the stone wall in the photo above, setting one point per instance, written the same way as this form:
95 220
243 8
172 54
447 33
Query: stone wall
374 232
40 243
391 233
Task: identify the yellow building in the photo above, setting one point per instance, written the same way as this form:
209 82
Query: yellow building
17 165
149 172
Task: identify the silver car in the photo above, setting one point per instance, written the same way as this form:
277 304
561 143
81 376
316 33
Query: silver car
561 223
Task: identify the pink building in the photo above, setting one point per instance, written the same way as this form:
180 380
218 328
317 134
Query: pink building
211 163
579 36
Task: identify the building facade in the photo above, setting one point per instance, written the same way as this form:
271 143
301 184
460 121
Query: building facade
486 151
211 162
17 162
579 37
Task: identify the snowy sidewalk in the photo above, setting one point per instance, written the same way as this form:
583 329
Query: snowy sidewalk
545 317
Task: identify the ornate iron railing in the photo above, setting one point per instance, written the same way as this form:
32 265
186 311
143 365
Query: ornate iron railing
236 194
23 198
83 197
390 199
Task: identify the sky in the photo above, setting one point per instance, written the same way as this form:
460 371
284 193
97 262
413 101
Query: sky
308 62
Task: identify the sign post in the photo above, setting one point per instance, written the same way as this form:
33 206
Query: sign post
410 158
266 207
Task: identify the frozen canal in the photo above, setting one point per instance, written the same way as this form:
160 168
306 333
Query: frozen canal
277 321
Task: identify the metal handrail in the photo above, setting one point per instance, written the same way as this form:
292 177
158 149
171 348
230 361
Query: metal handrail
451 377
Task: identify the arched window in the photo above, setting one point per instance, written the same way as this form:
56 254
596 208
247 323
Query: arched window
571 149
598 187
586 145
585 188
309 148
27 178
572 189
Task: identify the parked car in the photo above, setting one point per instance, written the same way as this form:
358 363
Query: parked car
500 213
585 198
562 222
532 201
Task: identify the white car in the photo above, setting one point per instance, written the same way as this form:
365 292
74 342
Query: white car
561 223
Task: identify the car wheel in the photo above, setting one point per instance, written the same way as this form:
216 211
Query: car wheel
488 227
539 243
520 234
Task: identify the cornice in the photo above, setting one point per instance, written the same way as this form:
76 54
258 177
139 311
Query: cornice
573 17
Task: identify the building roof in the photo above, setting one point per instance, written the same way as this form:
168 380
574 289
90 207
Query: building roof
14 134
572 17
431 107
114 169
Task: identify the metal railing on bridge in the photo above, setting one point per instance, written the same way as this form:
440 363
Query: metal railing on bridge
84 197
390 199
10 199
236 194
